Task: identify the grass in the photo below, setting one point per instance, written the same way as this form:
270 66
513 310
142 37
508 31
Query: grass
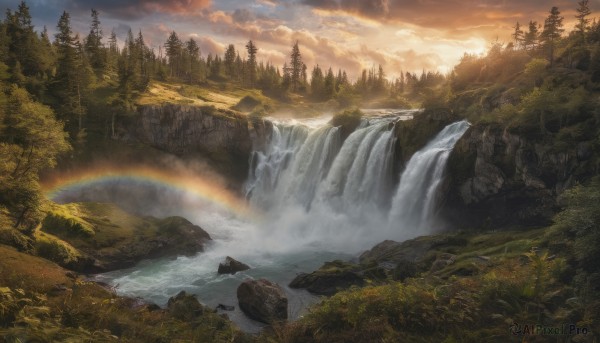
39 302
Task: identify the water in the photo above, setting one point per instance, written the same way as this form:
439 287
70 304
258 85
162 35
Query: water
319 198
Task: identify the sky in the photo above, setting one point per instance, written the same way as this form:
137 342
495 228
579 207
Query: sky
401 35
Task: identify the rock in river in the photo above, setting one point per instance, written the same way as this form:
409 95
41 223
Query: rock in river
231 266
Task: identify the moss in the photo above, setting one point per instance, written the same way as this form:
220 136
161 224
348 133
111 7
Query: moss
56 250
61 222
247 104
348 120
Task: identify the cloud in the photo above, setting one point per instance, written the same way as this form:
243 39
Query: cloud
444 13
135 9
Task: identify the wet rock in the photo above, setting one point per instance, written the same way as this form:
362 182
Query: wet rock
263 300
231 266
185 306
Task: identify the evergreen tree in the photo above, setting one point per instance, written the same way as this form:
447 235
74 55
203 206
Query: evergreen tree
329 85
93 45
518 35
317 83
23 41
65 84
229 61
583 11
251 64
296 68
531 37
552 32
173 47
193 51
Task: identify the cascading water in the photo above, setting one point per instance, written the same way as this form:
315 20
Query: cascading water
320 199
414 203
347 192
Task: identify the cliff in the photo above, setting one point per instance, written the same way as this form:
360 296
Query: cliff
498 178
224 137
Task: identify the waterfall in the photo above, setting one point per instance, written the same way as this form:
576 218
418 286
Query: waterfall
314 187
414 203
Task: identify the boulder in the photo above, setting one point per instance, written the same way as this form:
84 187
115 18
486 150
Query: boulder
185 306
263 300
231 266
330 278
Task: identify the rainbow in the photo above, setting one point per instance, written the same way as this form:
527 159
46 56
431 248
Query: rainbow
194 184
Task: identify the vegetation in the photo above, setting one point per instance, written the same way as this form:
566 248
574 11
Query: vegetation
63 95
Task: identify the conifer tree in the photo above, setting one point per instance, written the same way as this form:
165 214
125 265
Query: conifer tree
251 63
583 11
295 67
531 37
518 35
552 32
229 61
93 45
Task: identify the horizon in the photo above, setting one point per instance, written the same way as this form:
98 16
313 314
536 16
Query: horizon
355 35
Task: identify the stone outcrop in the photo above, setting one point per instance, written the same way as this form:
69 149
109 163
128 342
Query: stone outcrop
224 136
498 178
185 306
263 300
330 278
231 266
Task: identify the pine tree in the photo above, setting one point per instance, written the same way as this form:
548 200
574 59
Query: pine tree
251 64
193 51
518 35
93 45
329 85
295 67
113 52
317 83
229 60
552 32
531 37
173 48
583 11
65 83
23 41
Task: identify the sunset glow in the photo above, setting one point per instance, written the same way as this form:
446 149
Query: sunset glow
400 35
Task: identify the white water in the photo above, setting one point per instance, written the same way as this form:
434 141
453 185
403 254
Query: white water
321 199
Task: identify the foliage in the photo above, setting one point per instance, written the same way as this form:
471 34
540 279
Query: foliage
31 139
61 223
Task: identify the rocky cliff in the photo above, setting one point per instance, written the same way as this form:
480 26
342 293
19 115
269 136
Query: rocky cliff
224 137
498 178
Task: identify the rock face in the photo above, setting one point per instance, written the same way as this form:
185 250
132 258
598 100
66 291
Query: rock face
330 278
224 136
185 306
231 266
498 178
263 300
